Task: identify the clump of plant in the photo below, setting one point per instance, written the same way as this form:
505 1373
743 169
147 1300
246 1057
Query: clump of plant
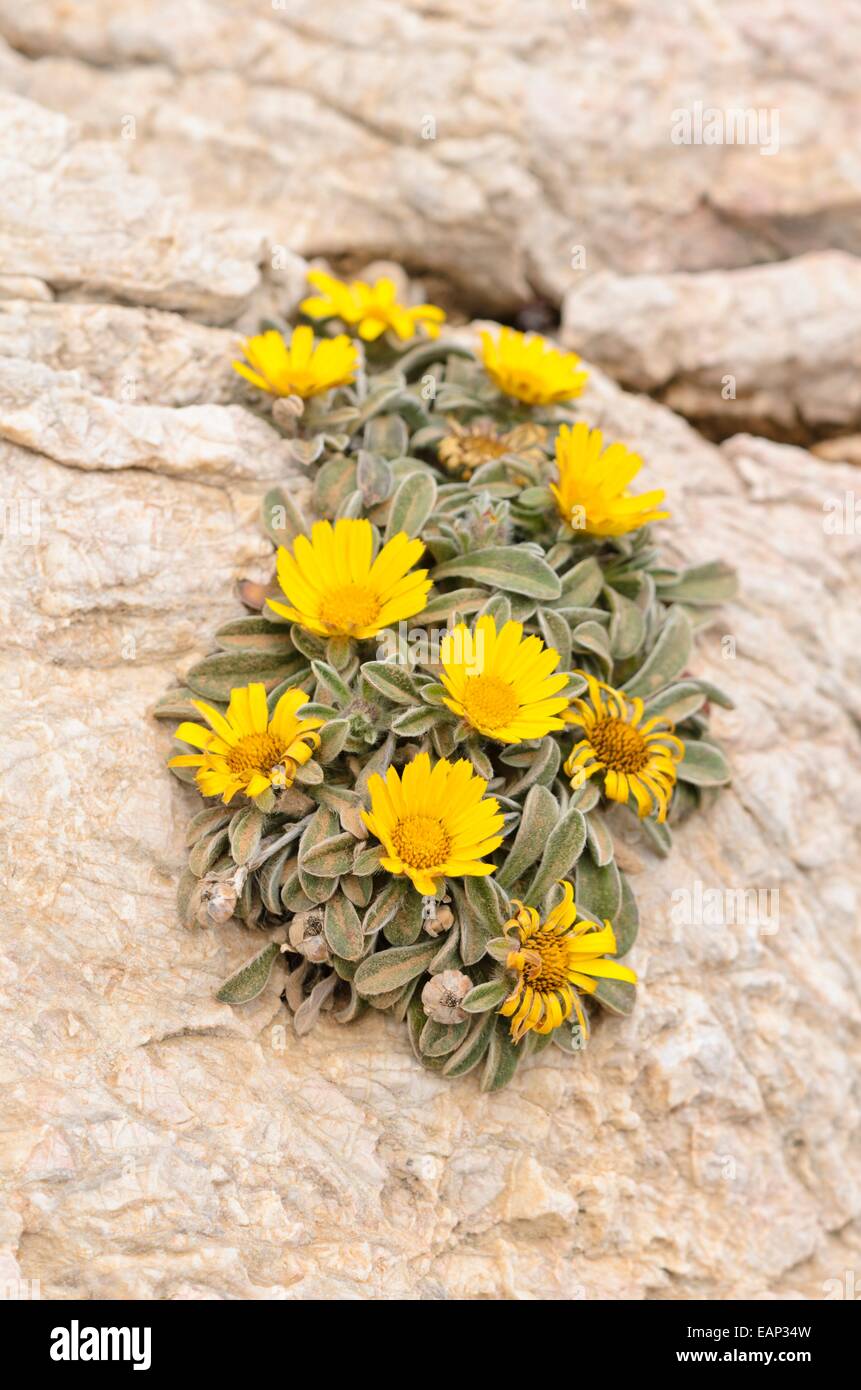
470 669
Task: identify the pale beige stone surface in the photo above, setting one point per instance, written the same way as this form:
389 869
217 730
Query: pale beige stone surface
155 1143
775 349
550 125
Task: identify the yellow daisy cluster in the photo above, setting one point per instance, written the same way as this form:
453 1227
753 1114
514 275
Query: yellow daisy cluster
370 309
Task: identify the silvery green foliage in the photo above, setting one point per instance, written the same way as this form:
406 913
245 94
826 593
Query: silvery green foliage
495 544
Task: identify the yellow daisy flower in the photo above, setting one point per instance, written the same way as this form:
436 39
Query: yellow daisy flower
306 367
433 821
592 491
467 447
556 960
337 589
636 759
527 367
502 683
374 308
244 750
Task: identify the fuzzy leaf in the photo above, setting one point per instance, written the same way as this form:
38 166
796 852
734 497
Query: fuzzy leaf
206 852
405 926
616 996
486 996
330 687
556 634
540 815
335 481
704 765
442 608
329 857
481 914
715 582
271 877
591 637
246 829
255 634
252 979
366 859
582 584
627 625
176 704
411 506
626 923
668 657
392 969
342 928
563 849
373 475
412 723
213 818
215 676
659 836
393 681
598 890
440 1039
384 906
598 838
333 736
473 1049
387 435
508 568
282 520
675 702
502 1058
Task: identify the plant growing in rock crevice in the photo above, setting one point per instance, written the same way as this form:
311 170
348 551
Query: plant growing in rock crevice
471 668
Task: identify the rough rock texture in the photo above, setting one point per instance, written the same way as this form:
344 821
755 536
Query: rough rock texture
775 349
165 169
156 1143
472 140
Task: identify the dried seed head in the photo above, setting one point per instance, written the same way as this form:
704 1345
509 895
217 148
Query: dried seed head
215 902
306 936
442 994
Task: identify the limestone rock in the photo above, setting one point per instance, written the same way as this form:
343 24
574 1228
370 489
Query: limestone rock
775 349
494 152
117 236
158 1144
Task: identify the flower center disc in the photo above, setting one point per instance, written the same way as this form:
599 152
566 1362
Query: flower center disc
421 841
489 702
551 972
619 745
255 753
349 607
